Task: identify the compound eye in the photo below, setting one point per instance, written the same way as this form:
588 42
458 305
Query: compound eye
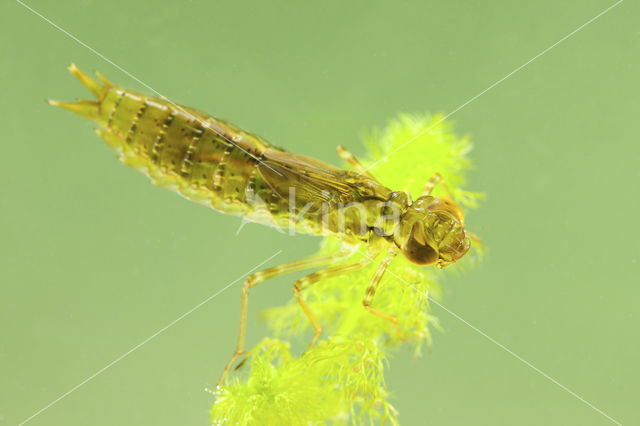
416 250
448 206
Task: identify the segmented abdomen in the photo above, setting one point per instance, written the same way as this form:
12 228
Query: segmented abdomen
215 163
203 158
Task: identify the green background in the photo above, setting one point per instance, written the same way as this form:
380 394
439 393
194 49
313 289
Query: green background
94 259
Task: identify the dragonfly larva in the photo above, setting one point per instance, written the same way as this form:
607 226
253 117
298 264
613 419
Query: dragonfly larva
212 162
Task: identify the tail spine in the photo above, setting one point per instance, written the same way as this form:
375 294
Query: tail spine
86 108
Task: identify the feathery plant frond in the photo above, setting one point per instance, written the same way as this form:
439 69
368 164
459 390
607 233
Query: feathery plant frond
341 379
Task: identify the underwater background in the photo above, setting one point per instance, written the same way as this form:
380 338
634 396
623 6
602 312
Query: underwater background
94 259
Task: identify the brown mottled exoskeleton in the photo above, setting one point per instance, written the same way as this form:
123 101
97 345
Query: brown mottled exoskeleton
212 162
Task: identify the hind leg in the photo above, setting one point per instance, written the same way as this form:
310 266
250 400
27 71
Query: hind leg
257 278
353 161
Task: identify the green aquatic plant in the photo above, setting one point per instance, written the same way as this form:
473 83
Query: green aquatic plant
341 378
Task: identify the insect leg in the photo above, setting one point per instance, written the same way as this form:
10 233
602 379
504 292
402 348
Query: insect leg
353 161
431 183
257 278
474 237
371 291
309 280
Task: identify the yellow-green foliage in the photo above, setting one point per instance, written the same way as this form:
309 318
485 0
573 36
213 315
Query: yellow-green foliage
340 380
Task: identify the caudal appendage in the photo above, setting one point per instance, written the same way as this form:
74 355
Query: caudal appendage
86 108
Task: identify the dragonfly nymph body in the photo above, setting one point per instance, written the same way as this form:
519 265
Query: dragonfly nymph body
212 162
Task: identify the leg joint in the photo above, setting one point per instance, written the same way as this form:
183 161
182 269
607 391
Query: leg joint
300 285
251 280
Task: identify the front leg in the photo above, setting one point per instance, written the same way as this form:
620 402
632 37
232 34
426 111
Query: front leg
371 291
431 184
